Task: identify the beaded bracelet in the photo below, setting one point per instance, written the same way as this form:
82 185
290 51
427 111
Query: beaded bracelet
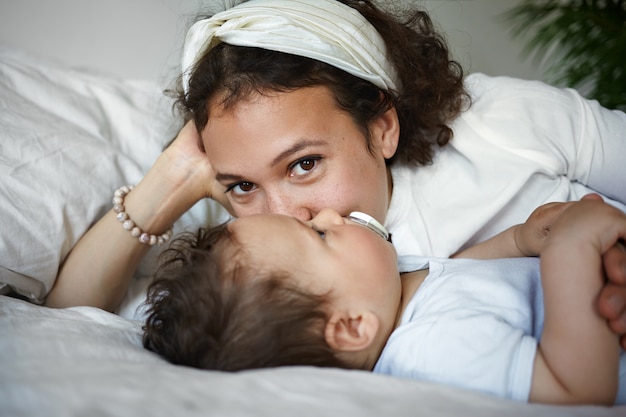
128 224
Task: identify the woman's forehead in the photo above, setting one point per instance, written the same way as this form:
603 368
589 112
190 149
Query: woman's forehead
226 102
260 132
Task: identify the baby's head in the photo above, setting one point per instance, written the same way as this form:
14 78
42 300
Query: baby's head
269 290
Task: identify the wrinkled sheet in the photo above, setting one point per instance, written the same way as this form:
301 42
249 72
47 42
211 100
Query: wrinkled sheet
83 361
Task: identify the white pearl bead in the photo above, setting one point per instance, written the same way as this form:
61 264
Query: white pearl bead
128 224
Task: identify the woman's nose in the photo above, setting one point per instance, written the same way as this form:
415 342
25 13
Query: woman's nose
285 205
327 217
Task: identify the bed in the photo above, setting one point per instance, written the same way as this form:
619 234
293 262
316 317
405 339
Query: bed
68 138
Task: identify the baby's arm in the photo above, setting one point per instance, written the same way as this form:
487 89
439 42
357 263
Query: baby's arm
523 239
578 356
526 240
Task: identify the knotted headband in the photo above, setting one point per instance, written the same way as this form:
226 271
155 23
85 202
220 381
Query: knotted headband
325 30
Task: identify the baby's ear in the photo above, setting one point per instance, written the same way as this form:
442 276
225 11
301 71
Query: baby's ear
350 332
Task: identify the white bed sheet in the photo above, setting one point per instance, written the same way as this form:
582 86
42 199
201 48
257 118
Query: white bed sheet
84 361
68 139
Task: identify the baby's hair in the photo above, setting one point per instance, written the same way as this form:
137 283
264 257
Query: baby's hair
209 309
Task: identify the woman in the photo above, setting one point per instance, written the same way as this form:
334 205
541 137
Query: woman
297 105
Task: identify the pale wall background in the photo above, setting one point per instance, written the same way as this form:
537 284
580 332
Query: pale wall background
142 38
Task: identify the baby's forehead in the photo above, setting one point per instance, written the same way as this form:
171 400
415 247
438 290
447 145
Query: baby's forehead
251 224
259 232
264 240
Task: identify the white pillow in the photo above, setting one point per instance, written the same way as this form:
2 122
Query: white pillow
68 139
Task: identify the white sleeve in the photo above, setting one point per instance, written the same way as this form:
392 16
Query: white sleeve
575 137
601 149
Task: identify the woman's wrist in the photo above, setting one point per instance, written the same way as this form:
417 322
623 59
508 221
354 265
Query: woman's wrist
129 224
158 201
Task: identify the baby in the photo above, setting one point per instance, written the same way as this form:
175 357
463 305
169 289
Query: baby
270 290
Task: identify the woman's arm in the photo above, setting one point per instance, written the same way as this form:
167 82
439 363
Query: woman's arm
99 268
578 356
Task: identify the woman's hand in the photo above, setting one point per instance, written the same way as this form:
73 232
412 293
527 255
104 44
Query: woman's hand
185 163
612 298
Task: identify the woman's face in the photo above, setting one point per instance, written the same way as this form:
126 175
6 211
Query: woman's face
295 153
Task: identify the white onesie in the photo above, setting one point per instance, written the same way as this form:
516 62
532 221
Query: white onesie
473 324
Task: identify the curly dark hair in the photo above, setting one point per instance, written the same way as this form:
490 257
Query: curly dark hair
207 309
432 93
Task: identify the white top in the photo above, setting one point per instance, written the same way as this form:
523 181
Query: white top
520 145
473 324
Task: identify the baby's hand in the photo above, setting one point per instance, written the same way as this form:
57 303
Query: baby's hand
592 223
530 236
604 227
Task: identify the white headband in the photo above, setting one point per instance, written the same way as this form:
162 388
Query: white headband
325 30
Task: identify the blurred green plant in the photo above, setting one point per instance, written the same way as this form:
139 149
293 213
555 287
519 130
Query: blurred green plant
582 43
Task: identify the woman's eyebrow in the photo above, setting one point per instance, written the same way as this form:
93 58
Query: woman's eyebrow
296 147
223 177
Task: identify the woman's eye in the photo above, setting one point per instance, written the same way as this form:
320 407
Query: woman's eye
303 166
240 188
322 234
